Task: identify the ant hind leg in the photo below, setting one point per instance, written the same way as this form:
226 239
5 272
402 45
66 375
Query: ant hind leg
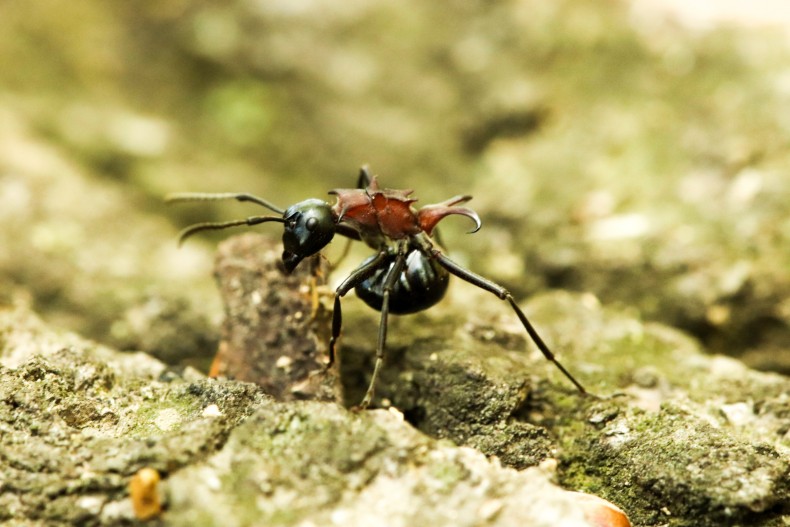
504 294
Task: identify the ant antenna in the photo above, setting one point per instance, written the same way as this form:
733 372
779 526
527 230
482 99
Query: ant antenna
204 196
252 220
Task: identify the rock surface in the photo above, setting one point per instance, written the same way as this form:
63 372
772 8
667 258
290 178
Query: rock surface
631 175
689 439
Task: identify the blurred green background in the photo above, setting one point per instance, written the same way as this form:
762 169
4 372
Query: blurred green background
609 149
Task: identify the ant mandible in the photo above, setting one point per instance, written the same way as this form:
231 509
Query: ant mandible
408 273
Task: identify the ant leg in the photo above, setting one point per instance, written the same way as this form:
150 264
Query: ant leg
389 282
504 294
354 279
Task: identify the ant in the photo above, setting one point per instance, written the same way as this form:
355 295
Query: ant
408 273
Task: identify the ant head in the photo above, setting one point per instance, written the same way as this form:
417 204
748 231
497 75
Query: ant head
309 227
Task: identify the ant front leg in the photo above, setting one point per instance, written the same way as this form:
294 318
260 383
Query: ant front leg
389 282
354 279
504 294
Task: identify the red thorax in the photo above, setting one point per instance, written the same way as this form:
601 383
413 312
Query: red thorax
378 214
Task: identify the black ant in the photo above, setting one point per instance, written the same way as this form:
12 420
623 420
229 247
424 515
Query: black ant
408 273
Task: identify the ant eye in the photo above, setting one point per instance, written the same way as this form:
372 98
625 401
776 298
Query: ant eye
311 223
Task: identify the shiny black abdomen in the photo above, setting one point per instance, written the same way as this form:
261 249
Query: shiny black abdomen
421 284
